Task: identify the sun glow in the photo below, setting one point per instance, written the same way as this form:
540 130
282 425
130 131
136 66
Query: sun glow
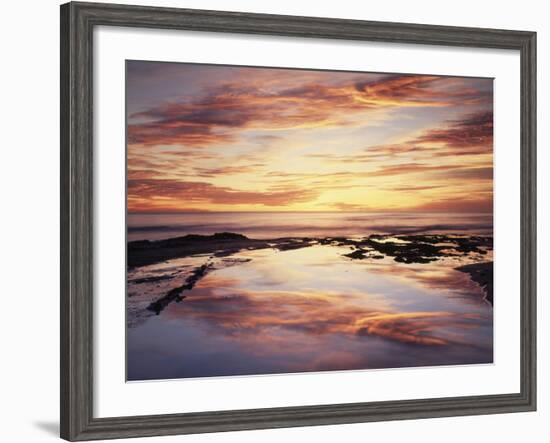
219 138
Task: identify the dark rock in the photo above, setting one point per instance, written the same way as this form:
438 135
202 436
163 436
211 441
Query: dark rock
482 274
141 253
358 254
152 279
175 294
427 248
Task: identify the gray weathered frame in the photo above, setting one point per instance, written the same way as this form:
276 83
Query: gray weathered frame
77 23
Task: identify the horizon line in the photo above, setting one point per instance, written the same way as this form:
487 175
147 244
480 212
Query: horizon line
306 211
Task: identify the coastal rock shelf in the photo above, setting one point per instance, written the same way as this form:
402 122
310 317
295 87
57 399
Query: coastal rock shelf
219 250
403 248
482 274
418 248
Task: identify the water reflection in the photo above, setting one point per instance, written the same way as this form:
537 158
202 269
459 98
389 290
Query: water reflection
313 309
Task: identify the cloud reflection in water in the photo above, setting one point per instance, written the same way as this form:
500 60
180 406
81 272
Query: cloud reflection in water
310 310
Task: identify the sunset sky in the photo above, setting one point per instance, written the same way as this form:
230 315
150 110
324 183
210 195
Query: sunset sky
220 138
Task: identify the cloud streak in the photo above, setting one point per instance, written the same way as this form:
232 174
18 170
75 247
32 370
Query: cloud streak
180 193
214 115
472 134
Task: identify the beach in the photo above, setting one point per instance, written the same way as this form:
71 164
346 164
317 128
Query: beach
225 303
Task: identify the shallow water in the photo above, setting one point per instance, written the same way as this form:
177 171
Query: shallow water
310 309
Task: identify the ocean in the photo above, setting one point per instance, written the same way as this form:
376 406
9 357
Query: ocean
270 225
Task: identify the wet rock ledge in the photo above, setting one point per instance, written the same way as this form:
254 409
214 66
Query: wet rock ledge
482 274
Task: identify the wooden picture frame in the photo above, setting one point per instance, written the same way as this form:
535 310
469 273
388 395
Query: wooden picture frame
77 23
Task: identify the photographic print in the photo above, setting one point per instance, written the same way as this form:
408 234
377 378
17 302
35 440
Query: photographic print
293 220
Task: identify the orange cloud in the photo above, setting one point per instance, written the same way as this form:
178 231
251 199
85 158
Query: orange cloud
465 136
407 168
230 169
217 114
182 193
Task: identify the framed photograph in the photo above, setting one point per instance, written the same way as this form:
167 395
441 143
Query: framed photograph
273 221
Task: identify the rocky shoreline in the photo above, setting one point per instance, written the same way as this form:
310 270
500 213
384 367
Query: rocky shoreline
175 294
482 274
145 252
405 249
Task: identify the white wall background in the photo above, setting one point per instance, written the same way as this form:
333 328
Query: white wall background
29 186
